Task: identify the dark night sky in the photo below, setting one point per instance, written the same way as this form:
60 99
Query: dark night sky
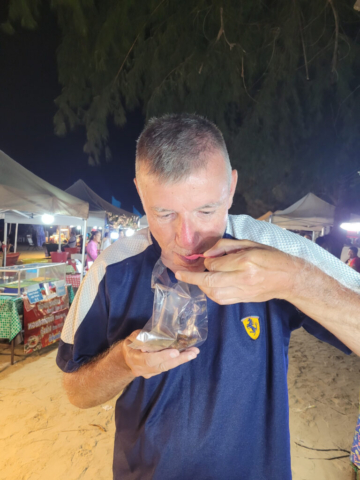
28 87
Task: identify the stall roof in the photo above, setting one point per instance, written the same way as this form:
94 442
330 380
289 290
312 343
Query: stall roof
22 191
96 204
308 213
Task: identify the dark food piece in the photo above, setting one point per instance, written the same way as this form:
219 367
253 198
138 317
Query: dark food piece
183 342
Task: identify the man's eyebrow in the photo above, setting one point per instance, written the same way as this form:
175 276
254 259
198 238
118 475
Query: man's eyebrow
210 205
160 210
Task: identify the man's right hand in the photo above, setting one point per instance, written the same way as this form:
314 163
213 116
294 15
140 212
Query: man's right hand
144 364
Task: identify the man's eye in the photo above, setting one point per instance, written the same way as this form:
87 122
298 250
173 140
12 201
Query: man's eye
207 213
165 216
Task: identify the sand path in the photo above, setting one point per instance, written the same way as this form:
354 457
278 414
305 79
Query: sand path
43 437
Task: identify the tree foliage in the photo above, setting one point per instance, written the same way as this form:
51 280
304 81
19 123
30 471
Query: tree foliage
281 78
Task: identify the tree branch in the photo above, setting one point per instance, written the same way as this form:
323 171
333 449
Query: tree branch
136 39
302 40
243 78
222 32
335 54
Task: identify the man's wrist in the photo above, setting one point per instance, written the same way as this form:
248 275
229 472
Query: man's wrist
119 355
297 279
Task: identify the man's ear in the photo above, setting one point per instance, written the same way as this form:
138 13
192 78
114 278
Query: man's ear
137 187
234 180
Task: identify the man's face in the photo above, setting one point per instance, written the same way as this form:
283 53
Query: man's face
352 254
189 216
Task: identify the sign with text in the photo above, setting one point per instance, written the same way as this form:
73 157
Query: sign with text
60 288
34 294
43 321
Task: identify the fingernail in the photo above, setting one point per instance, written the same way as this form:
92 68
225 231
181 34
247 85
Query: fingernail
178 275
191 356
174 354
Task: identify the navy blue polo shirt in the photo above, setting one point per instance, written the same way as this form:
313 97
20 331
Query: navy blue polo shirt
224 415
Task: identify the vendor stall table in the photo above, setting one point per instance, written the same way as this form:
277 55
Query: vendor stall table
11 312
74 280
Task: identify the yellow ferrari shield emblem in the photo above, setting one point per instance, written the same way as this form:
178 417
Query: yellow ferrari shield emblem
252 326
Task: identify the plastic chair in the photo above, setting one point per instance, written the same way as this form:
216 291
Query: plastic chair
59 257
30 242
71 250
11 259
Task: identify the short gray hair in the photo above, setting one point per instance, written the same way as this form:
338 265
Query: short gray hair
174 146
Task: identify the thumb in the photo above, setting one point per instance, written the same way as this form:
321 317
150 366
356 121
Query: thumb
133 335
227 245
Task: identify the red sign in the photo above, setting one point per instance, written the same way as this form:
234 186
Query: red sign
43 322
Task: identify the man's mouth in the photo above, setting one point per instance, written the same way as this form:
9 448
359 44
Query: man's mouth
190 258
194 256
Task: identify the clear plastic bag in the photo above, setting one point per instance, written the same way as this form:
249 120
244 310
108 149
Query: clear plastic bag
179 318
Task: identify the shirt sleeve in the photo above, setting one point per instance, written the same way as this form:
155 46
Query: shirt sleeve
321 333
84 335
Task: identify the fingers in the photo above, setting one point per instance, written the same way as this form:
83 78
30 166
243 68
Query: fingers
208 279
230 262
223 295
226 246
149 364
182 358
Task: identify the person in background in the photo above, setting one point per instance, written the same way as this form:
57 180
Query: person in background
92 247
308 237
79 242
106 241
355 451
353 261
72 239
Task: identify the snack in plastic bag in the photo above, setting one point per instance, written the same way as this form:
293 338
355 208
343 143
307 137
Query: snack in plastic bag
179 318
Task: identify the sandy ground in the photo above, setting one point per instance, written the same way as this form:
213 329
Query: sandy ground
43 437
26 253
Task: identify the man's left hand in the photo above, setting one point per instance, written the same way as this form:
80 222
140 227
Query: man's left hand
245 271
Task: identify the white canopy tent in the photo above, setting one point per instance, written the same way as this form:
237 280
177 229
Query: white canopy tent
25 197
308 213
98 207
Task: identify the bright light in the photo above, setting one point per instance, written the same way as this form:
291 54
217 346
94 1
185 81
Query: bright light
78 227
100 228
114 235
129 232
351 227
47 219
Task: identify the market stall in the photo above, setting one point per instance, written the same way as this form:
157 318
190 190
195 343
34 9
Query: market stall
101 212
39 290
34 299
27 199
308 213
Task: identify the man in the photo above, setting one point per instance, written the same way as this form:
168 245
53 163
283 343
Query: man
72 239
353 261
221 413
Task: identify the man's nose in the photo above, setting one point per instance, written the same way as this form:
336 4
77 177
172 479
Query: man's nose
186 235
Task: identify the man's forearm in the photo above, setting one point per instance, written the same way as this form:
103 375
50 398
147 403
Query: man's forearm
332 305
99 380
